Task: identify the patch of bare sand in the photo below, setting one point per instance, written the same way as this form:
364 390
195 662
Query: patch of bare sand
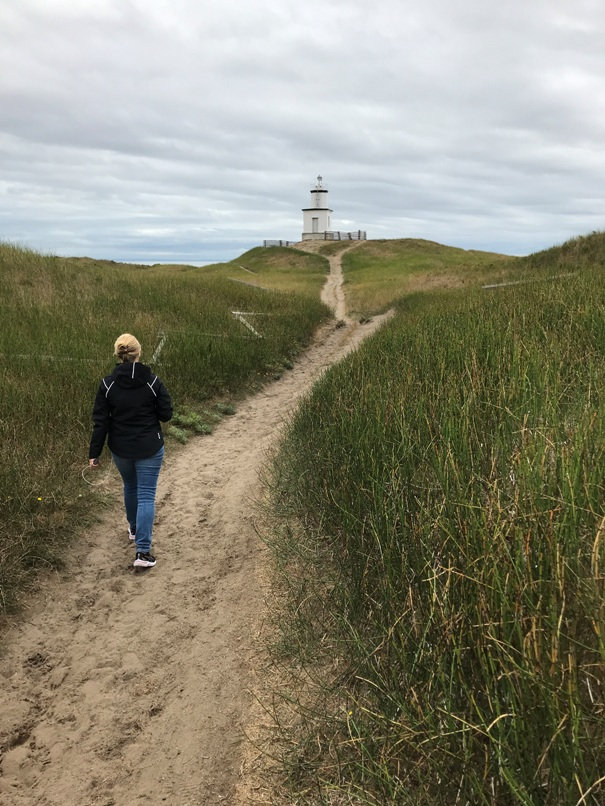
125 688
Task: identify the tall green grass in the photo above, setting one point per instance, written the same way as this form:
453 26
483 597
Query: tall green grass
441 543
60 319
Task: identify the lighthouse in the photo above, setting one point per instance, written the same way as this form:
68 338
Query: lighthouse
316 218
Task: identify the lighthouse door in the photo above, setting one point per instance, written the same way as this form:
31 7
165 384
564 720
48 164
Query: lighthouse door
315 225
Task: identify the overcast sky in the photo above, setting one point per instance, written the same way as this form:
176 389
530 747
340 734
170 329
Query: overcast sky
191 130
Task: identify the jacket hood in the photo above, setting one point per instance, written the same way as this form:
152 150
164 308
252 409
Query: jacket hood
130 376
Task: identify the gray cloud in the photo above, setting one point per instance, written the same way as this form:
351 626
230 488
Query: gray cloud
148 130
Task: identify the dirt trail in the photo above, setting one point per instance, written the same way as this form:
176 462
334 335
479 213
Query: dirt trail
126 688
333 294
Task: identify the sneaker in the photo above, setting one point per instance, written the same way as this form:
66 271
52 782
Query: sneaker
131 536
144 560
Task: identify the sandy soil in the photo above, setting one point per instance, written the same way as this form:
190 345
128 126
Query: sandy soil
123 687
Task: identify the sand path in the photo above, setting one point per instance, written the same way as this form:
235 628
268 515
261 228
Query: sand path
126 688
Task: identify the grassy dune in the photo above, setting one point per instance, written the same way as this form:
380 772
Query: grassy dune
441 542
378 272
279 268
274 269
60 318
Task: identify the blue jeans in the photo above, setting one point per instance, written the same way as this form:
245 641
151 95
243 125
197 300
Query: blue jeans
140 477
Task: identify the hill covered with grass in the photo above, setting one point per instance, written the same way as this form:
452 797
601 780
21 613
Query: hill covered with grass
379 272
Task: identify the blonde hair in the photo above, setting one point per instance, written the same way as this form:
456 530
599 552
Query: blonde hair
127 348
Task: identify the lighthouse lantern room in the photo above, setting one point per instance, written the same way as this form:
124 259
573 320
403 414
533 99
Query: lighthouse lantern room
316 218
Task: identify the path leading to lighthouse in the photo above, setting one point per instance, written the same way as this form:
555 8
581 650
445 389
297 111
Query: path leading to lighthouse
126 688
333 292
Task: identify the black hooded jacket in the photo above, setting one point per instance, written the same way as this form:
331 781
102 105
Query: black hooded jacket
128 408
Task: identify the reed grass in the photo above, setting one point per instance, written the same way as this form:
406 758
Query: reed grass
60 319
440 537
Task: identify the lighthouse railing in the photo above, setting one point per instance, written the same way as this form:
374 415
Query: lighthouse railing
357 235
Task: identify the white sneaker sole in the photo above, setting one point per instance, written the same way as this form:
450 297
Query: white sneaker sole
143 564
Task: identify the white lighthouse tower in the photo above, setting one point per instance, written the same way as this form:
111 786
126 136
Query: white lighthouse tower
316 218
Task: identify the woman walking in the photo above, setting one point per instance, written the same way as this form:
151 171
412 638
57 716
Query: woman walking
128 408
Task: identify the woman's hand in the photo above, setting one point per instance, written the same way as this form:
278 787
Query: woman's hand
94 463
